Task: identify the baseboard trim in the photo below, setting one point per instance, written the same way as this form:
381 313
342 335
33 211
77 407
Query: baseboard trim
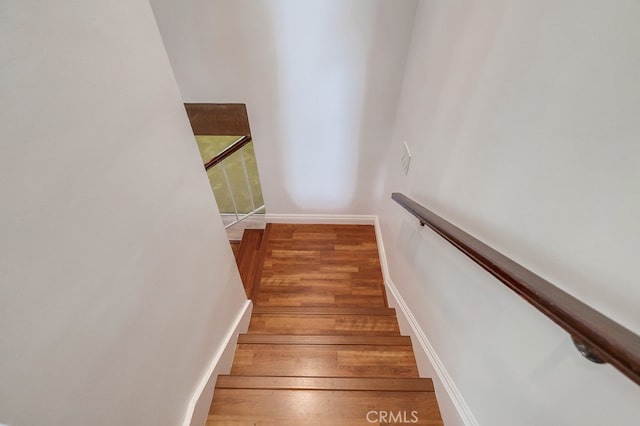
415 331
323 219
198 407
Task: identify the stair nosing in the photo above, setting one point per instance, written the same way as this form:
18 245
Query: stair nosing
325 383
319 339
319 310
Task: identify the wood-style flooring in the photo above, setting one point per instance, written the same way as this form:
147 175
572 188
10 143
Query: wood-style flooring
323 347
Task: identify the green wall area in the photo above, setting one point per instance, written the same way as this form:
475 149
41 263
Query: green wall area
210 146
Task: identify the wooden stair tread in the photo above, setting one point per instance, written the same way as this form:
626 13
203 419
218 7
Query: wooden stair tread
325 324
326 383
311 296
322 408
342 360
320 265
293 339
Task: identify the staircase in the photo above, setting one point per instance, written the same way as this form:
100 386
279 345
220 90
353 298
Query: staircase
323 347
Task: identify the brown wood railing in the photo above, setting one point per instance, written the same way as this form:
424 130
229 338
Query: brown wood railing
596 336
228 151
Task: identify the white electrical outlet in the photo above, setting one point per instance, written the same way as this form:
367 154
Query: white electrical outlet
406 157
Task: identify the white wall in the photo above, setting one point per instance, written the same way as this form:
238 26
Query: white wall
523 122
321 80
117 284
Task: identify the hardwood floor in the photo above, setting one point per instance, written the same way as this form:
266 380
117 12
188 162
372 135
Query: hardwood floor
324 359
372 322
321 265
323 347
321 407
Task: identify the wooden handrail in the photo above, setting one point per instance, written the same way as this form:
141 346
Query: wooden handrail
596 336
228 151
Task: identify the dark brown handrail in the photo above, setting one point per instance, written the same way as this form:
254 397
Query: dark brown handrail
596 336
228 151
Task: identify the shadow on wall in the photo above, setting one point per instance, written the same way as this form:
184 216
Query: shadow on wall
223 51
343 67
246 69
320 79
321 82
378 118
341 76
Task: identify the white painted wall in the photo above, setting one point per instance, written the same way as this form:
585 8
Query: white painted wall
523 122
117 284
321 80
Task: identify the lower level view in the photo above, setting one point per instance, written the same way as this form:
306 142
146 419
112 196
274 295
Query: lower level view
323 346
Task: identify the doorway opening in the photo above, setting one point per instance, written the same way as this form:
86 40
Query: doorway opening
224 139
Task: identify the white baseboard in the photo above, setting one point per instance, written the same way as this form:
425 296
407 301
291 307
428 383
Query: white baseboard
322 219
454 410
198 408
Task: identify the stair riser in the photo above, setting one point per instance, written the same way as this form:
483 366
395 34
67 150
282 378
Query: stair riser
321 408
